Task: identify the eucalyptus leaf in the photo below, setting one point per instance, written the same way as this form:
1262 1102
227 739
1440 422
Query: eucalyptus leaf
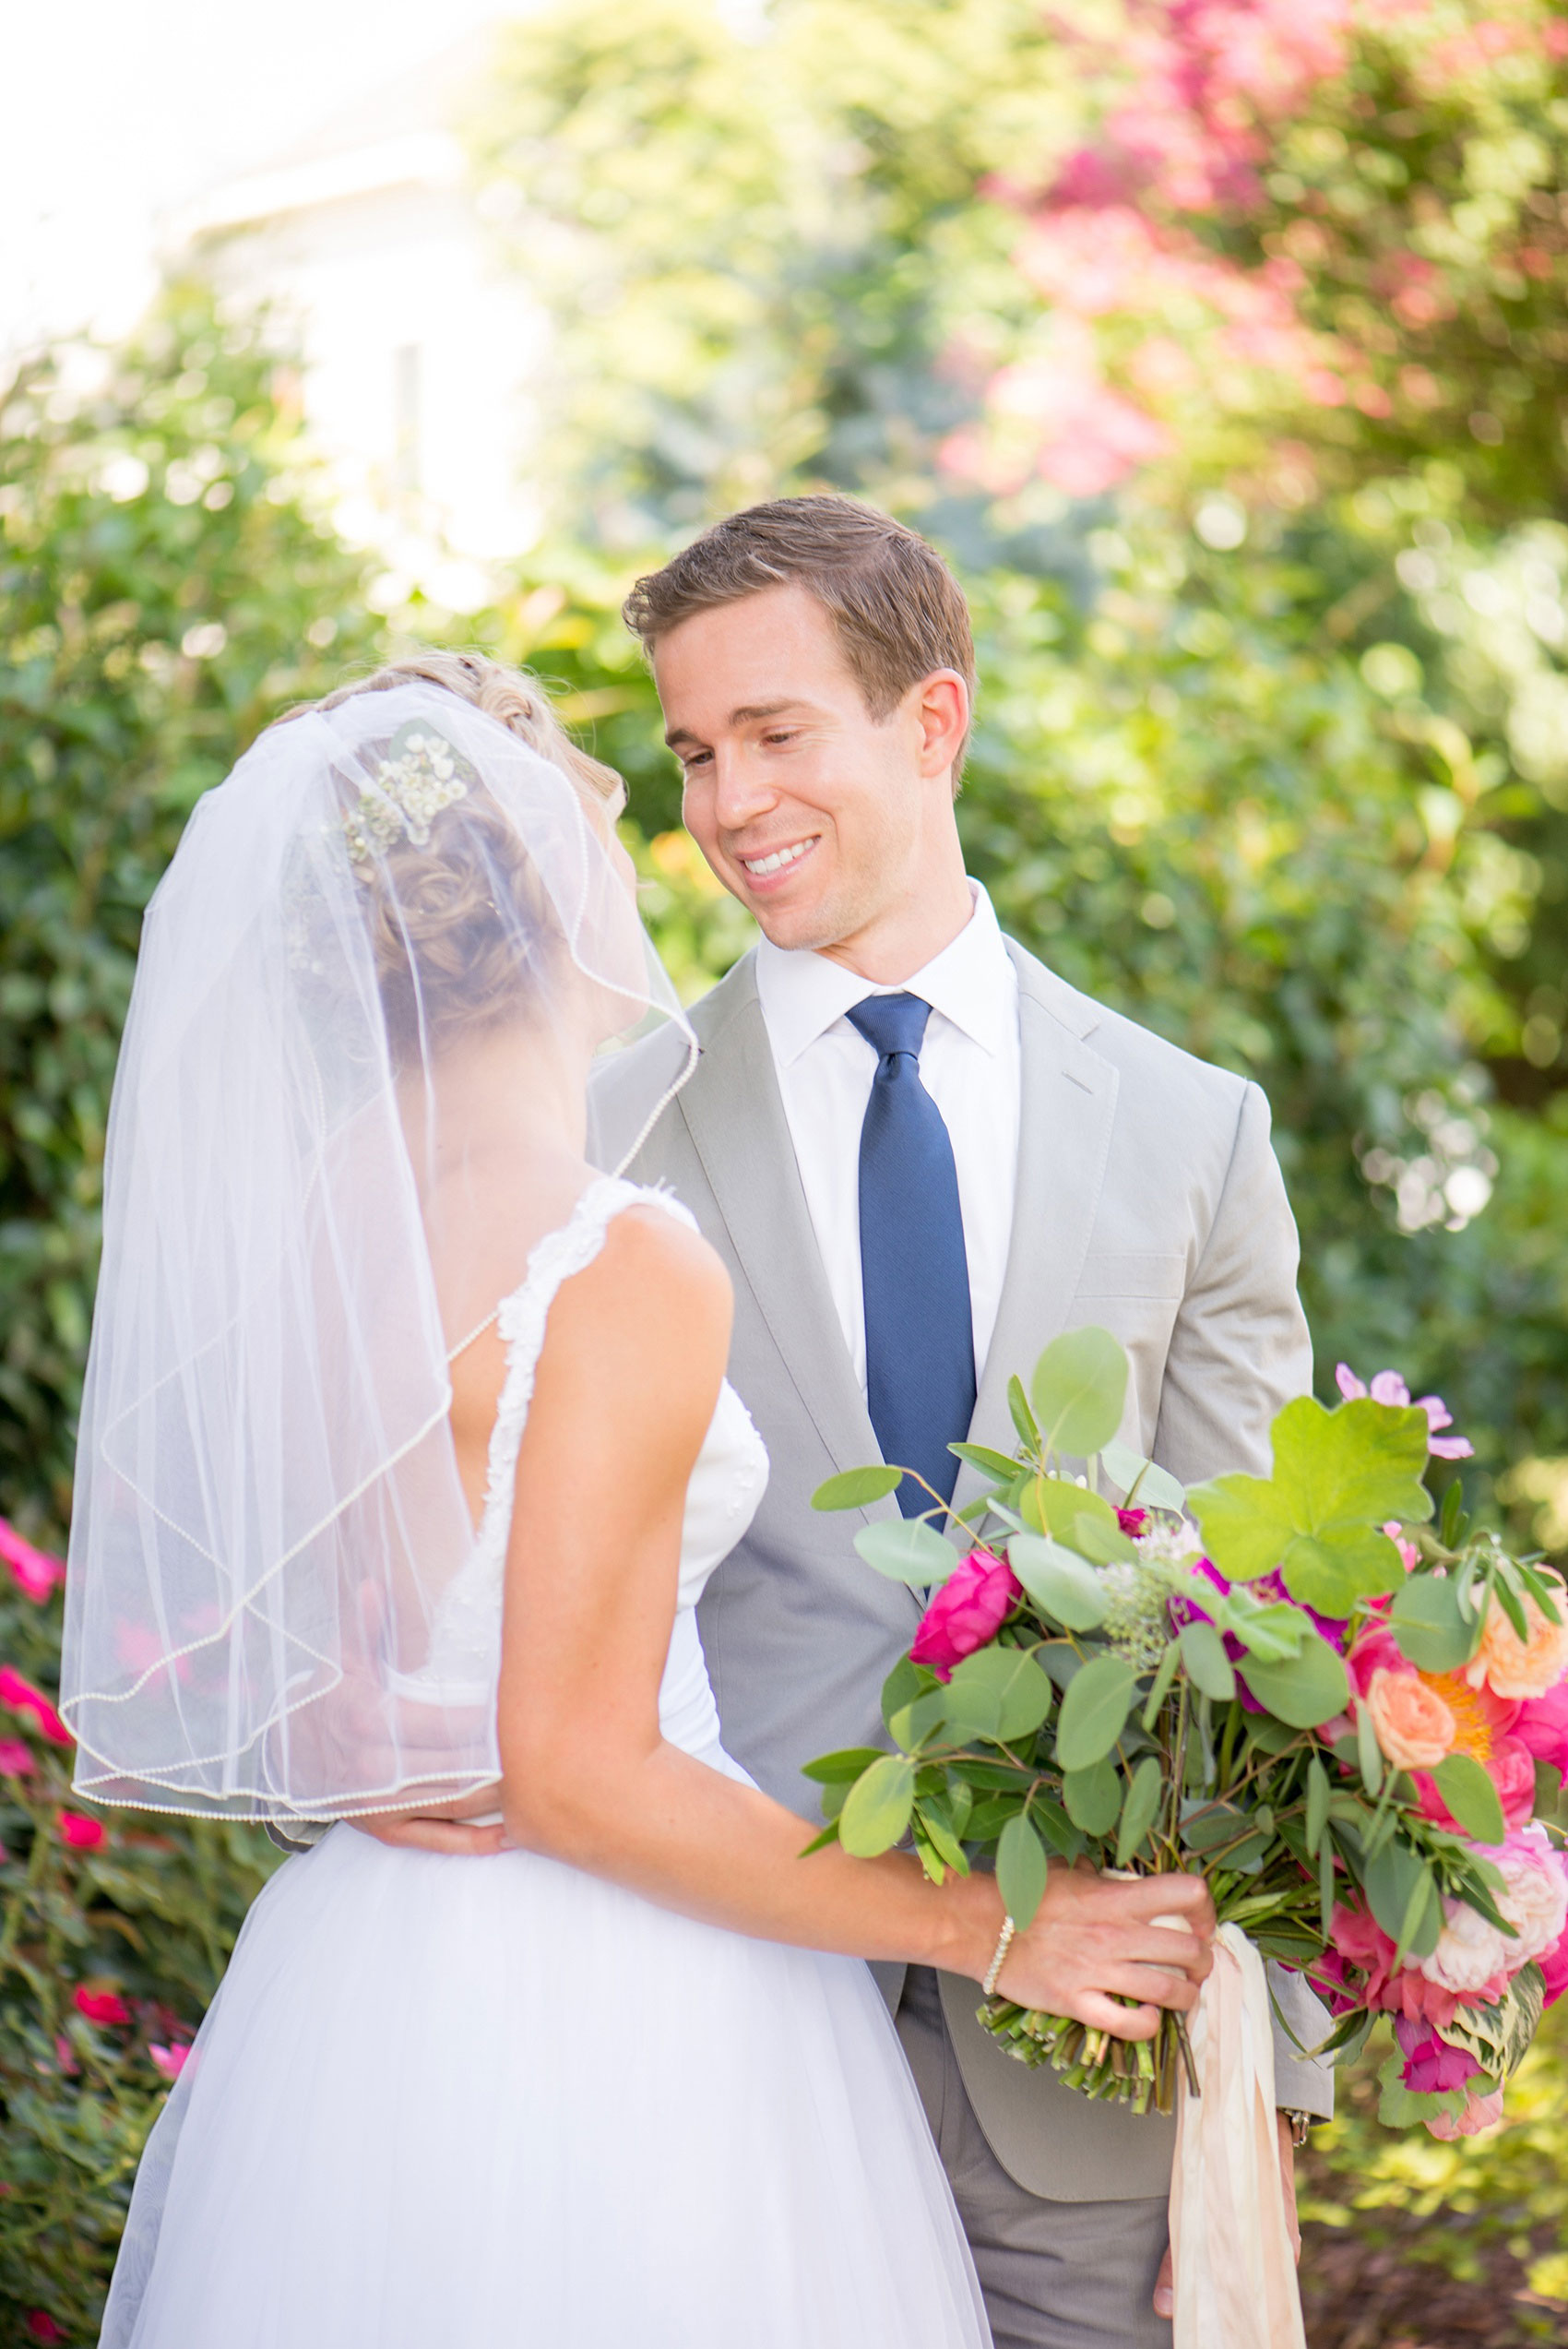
1305 1691
907 1550
1021 1870
857 1488
1078 1390
1058 1582
1391 1877
907 1681
1100 1539
1094 1711
877 1812
1154 1488
1203 1652
1434 1632
1317 1804
1470 1796
994 1465
1023 1417
828 1768
1000 1693
1093 1796
1369 1753
1139 1806
913 1724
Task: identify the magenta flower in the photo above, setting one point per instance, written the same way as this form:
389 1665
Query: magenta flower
169 2062
35 1572
16 1758
1132 1520
1431 2067
969 1609
1387 1387
81 1833
22 1697
102 2006
42 2326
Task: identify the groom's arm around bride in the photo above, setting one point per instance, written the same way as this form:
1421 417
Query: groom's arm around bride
922 1156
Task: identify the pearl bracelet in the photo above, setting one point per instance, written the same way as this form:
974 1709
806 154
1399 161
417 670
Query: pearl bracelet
1004 1944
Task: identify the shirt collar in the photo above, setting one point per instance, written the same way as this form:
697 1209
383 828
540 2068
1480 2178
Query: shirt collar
971 981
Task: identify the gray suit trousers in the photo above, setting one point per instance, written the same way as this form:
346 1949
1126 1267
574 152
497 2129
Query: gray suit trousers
1055 2275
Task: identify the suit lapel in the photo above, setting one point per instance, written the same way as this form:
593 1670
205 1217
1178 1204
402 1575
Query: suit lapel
735 1118
1067 1111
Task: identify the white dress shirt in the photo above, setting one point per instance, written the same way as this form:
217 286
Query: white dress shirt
970 1065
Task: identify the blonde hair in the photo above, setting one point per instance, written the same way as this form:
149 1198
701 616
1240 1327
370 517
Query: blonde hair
449 957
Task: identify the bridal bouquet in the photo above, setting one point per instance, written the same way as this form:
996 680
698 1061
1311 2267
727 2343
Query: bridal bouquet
1345 1714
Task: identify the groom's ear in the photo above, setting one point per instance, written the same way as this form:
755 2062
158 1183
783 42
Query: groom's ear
940 705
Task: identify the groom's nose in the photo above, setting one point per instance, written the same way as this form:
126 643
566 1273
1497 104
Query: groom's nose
742 789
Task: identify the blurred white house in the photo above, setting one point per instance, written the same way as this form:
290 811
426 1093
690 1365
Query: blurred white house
418 347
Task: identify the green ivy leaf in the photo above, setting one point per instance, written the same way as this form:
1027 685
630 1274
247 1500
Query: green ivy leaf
1338 1475
1094 1711
857 1488
1078 1390
877 1812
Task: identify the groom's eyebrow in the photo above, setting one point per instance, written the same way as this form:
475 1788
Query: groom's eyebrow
746 715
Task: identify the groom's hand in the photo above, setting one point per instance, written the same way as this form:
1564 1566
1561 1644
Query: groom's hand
1095 1942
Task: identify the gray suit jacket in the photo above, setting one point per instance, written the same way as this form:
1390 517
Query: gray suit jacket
1150 1201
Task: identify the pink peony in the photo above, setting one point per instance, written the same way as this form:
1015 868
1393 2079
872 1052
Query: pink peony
1358 1945
969 1609
16 1758
22 1697
169 2062
102 2006
1431 2067
81 1833
1387 1387
1481 2111
35 1572
1542 1726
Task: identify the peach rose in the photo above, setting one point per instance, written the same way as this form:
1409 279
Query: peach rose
1521 1669
1414 1727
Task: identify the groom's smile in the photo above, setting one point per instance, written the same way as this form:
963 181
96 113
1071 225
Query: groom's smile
831 823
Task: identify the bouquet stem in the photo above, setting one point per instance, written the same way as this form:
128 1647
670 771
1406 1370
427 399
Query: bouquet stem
1140 2073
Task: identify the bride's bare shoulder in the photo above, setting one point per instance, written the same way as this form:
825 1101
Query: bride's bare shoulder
654 1290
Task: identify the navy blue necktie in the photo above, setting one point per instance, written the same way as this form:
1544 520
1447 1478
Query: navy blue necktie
914 1271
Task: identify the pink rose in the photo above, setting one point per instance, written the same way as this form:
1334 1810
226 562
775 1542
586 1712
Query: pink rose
1413 1726
42 2326
22 1697
16 1758
1520 1669
169 2062
967 1611
1542 1726
35 1572
1431 2067
102 2006
1481 2111
1132 1521
81 1833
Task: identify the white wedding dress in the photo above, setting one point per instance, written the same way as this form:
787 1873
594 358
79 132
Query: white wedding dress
501 2104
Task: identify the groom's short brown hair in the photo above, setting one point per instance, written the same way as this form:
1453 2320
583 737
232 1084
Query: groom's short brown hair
898 609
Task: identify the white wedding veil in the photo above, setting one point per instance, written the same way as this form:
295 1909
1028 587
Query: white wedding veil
394 915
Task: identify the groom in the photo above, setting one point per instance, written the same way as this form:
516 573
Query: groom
921 1156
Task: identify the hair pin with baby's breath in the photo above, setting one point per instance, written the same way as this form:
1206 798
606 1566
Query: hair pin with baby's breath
408 790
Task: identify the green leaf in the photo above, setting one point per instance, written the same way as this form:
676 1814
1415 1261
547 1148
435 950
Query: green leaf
856 1487
1331 1570
1471 1797
1317 1806
877 1813
828 1768
1306 1691
1394 1878
1272 1632
1023 1417
1451 1529
1078 1390
1145 1486
1058 1582
819 1843
1336 1474
1094 1711
1369 1753
1431 1628
1000 1693
1093 1796
1099 1539
995 1465
1325 1887
1245 1525
1139 1806
912 1724
1054 1505
1021 1870
907 1550
938 1832
907 1681
1161 1686
1203 1652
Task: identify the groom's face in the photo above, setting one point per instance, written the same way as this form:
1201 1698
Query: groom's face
816 816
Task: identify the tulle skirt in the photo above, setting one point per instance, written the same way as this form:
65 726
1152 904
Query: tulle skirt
500 2104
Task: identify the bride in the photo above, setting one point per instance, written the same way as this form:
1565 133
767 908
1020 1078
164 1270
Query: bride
406 1452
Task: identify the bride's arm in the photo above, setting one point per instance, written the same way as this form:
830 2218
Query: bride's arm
624 1396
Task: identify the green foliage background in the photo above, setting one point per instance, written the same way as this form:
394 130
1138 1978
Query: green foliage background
1271 748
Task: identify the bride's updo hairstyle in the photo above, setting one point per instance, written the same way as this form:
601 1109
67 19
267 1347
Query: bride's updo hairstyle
458 918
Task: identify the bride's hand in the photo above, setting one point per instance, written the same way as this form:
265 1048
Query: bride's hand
1092 1937
443 1828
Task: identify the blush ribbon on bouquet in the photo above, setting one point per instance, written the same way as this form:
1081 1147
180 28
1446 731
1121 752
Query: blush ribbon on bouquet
1235 2268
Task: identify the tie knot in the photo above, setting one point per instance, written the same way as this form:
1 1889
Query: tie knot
892 1024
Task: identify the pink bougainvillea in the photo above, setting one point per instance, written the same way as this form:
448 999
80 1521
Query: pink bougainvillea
104 2007
22 1697
33 1571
